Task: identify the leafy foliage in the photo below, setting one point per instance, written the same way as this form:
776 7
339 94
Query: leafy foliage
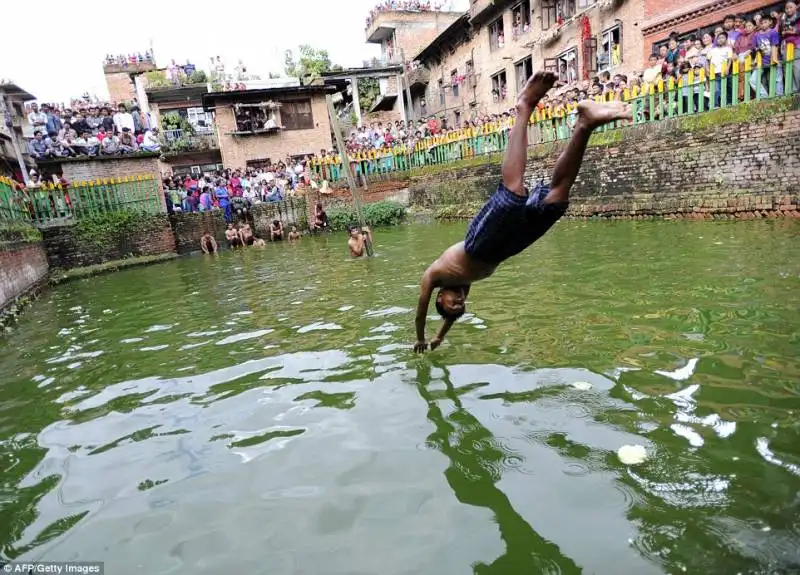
174 121
376 215
368 91
157 79
312 63
109 228
197 77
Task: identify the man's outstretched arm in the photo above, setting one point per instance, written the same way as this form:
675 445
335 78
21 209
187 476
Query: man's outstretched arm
425 291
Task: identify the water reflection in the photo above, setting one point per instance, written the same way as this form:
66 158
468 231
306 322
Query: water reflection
192 417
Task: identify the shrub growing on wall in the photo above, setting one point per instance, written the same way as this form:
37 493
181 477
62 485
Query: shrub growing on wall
377 215
110 228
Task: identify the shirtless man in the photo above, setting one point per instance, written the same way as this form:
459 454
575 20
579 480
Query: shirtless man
232 235
512 219
276 230
246 235
294 234
358 240
208 244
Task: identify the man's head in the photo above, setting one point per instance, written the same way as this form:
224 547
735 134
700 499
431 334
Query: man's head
729 22
38 135
276 223
749 26
451 302
35 107
662 51
122 108
230 226
790 8
673 42
355 231
722 39
766 22
738 22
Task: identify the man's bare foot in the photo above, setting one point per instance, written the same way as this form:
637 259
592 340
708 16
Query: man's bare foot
594 114
535 88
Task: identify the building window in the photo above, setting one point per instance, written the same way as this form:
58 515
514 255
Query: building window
255 117
441 92
521 18
454 81
296 115
497 38
523 70
548 14
610 56
457 116
499 87
568 66
565 9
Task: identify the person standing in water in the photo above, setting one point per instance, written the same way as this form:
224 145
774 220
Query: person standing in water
208 244
294 234
357 244
512 218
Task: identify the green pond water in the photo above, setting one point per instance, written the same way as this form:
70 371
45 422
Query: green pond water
262 411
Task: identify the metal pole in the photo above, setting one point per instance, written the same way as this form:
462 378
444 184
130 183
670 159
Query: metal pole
337 134
356 100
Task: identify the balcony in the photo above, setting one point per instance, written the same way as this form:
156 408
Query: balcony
175 142
381 26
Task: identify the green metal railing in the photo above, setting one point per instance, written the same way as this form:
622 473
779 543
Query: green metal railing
53 204
741 83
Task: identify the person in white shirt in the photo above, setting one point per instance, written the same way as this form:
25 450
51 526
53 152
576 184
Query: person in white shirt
150 142
37 119
719 57
123 119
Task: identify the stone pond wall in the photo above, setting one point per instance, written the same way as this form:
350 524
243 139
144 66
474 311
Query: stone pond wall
734 163
23 262
75 245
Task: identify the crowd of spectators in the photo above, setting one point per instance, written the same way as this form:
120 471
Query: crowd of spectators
130 59
686 63
235 191
90 130
402 6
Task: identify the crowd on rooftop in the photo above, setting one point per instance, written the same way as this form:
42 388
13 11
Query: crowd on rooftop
129 59
402 6
94 130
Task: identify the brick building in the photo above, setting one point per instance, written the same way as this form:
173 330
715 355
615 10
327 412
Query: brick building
126 82
190 143
479 63
401 34
12 111
258 127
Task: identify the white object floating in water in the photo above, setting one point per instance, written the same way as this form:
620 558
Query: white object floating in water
632 454
106 311
766 529
345 308
581 385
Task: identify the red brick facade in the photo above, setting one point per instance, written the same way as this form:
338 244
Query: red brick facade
22 267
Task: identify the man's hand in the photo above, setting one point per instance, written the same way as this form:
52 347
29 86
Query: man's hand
420 347
436 342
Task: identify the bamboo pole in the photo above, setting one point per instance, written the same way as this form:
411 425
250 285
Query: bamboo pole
337 133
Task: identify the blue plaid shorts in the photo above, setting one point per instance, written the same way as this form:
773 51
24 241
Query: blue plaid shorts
509 223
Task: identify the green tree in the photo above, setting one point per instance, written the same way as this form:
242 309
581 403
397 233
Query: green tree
368 92
312 63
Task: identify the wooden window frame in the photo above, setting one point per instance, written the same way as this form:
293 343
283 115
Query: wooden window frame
300 120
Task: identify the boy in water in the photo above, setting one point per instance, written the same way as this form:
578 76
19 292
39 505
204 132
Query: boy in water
512 219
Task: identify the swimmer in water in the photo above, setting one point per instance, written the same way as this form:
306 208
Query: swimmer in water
357 243
294 234
513 218
232 235
208 244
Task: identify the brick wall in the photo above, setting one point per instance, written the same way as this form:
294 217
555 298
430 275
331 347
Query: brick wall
66 250
23 266
413 30
712 165
236 150
103 167
189 228
120 87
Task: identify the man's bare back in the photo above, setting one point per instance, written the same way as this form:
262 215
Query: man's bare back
513 218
